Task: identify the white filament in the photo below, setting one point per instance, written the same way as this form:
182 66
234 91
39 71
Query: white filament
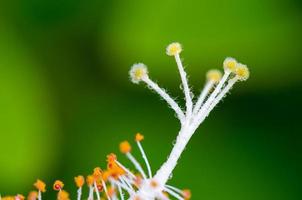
136 164
39 195
125 169
145 158
202 96
96 191
174 194
186 88
90 196
121 192
79 193
105 189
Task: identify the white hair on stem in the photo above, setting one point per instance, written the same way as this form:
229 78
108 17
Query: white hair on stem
166 97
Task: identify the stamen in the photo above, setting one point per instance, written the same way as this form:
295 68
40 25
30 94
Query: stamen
79 191
121 192
125 182
174 189
187 92
41 187
139 138
202 96
123 185
174 194
213 77
204 108
136 164
166 97
125 169
227 88
90 195
79 181
105 189
97 191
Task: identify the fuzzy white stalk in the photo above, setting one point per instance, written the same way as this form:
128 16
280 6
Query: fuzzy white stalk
174 194
90 195
79 193
125 169
96 191
136 164
184 135
105 189
186 89
145 158
202 96
166 97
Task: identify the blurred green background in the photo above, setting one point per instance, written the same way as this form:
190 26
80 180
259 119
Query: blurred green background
66 100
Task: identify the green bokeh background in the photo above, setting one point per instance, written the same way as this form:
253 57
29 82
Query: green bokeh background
66 101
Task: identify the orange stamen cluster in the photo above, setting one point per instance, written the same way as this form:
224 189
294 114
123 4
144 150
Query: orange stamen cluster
113 169
97 180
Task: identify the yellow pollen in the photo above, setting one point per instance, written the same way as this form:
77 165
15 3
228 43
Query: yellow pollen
230 64
111 158
79 181
173 49
125 147
89 180
242 72
139 137
8 198
153 183
97 173
138 72
40 185
33 195
214 75
63 195
106 175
